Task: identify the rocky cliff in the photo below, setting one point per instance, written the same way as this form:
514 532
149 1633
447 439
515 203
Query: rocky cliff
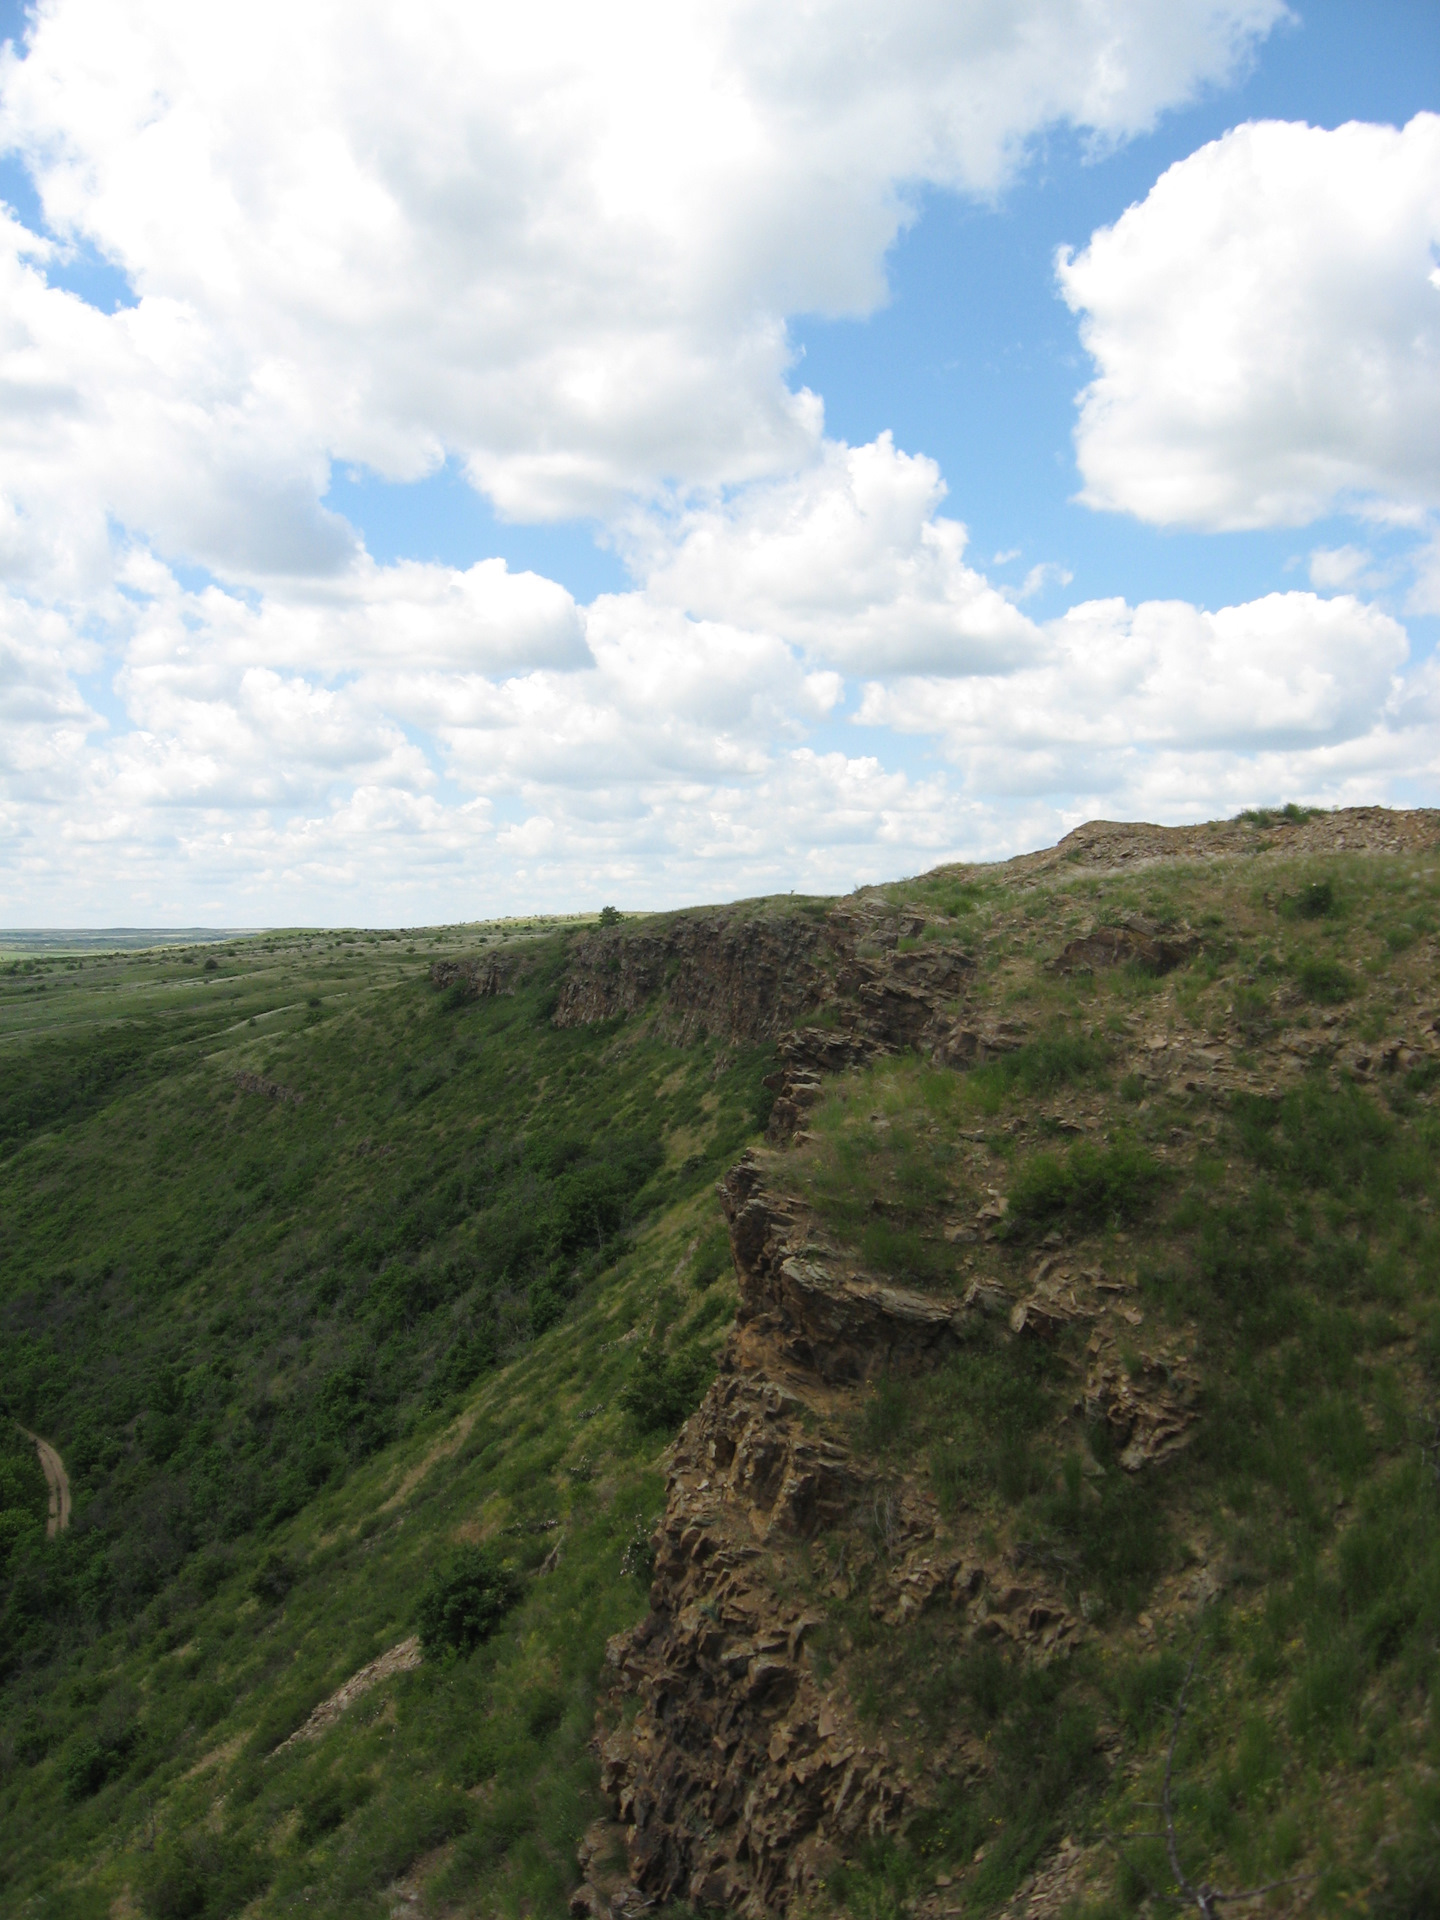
747 976
744 1775
739 1767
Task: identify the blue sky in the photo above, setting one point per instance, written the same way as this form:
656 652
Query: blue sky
411 498
976 360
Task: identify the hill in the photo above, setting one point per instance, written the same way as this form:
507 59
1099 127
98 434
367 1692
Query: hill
924 1402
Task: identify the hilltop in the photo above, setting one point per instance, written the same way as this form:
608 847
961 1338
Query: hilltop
920 1402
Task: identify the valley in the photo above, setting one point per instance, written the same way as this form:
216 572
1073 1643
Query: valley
941 1385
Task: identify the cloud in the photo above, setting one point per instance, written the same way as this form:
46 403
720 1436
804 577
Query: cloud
1266 328
1290 678
557 242
849 560
285 751
560 246
1338 566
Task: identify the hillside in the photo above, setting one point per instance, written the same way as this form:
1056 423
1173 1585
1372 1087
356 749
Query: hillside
925 1402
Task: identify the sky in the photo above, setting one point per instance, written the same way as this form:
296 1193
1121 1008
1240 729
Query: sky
455 464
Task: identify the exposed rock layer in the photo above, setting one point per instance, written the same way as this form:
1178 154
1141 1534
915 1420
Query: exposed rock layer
741 1777
721 973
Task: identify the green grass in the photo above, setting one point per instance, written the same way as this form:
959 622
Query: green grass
245 1322
310 1363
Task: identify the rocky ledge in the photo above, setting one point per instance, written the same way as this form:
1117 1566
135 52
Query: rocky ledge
742 1774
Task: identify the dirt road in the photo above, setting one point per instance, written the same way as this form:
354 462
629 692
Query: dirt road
57 1480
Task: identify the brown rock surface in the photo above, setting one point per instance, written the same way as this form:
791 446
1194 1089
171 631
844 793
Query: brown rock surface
747 977
1122 946
743 1775
483 976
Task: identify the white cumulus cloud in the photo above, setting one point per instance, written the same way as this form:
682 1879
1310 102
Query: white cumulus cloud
560 246
850 560
559 242
1266 329
1289 680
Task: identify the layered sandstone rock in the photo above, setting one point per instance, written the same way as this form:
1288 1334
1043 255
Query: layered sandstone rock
742 1777
745 977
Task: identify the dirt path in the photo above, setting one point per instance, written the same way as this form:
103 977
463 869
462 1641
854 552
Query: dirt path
399 1659
57 1480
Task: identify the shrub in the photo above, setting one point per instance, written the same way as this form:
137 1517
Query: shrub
1324 980
713 1259
887 1412
1253 1016
993 1401
1322 1136
272 1579
1042 1066
1092 1185
1315 902
201 1876
1269 816
665 1389
465 1600
328 1805
90 1763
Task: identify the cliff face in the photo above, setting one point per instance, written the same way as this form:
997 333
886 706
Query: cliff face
834 989
743 1777
743 1747
742 1774
747 978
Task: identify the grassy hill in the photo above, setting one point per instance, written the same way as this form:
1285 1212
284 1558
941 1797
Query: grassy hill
345 1286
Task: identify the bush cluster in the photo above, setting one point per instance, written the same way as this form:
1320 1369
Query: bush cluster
465 1599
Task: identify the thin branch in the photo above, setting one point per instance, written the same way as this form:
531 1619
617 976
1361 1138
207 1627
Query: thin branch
1219 1898
1200 1895
1207 1899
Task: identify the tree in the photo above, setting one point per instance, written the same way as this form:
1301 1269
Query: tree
465 1599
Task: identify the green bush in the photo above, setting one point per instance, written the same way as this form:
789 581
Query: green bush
992 1400
201 1876
1315 902
887 1412
88 1764
1323 980
272 1579
465 1600
712 1259
329 1804
1041 1066
1321 1136
1253 1014
1094 1186
664 1389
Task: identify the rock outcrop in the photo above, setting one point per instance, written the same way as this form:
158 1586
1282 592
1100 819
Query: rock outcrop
835 988
271 1089
742 1777
746 977
482 977
1134 944
1118 846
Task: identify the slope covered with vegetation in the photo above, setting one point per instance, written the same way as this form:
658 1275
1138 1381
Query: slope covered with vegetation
362 1309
